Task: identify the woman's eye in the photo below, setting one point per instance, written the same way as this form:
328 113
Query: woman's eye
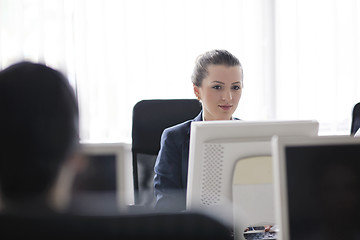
216 87
236 87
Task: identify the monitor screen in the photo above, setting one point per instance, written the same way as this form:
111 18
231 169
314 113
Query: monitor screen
318 187
215 149
98 175
102 186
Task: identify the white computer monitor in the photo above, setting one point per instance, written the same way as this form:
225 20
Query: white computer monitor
104 184
216 147
317 187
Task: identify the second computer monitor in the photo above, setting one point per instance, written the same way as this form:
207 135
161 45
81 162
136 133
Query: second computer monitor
104 184
317 187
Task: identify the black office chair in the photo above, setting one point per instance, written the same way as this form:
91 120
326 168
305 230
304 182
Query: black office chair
150 118
355 123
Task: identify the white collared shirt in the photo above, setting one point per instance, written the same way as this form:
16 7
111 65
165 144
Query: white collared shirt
232 118
357 134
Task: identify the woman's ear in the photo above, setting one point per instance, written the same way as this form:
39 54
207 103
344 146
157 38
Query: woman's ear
196 92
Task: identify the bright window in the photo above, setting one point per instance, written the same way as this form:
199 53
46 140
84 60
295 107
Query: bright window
300 58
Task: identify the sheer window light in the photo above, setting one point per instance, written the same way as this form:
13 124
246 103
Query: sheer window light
300 58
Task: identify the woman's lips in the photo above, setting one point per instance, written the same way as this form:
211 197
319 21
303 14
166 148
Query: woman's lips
225 107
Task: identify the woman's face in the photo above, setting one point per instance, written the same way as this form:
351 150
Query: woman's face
220 92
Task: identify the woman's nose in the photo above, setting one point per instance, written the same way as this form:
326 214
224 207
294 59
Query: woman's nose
227 96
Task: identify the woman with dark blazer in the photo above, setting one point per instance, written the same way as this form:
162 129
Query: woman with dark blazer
217 82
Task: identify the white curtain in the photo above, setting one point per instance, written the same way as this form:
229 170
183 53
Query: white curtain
300 58
317 61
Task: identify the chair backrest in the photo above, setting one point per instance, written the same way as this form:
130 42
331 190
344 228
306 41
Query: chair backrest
355 123
150 118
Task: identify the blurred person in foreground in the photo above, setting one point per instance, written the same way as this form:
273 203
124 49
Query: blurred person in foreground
39 139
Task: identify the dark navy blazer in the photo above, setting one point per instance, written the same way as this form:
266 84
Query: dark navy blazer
171 167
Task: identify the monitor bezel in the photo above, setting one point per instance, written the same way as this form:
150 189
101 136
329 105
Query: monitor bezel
279 145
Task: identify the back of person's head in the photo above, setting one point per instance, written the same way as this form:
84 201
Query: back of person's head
213 57
39 129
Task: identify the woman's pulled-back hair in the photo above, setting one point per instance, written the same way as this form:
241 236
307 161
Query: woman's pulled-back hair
214 57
